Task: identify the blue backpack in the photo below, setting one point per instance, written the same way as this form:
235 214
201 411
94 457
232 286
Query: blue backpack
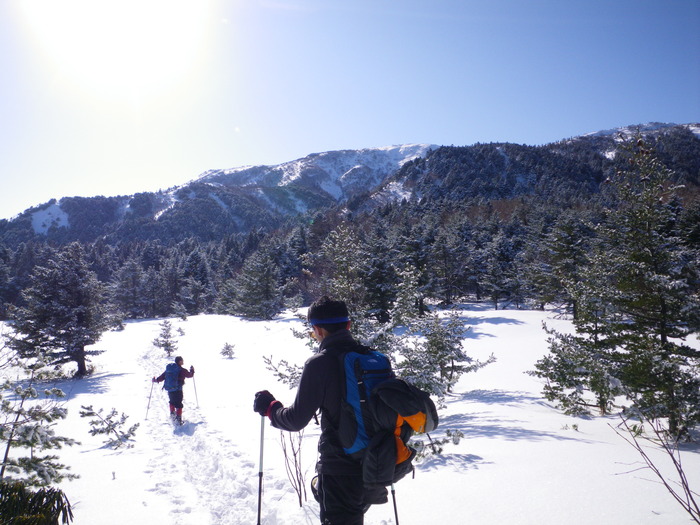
363 371
172 376
379 414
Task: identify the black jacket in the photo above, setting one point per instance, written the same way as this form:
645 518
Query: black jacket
320 387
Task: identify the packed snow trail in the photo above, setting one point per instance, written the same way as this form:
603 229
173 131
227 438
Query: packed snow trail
210 479
520 461
204 472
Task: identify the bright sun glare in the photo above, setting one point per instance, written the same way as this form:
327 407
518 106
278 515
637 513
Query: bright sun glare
128 50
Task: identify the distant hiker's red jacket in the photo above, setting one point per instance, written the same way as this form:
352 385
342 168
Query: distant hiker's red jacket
184 373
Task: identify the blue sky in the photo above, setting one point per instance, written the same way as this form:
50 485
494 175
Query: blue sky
103 97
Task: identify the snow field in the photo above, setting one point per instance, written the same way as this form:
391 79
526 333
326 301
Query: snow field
520 460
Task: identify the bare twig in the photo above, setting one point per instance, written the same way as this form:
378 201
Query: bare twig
685 496
292 462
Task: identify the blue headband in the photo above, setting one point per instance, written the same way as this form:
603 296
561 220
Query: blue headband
330 320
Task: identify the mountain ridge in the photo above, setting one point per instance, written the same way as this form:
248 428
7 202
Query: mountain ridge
238 200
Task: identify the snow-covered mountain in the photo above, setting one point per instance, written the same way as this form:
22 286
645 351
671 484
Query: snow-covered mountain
337 174
238 200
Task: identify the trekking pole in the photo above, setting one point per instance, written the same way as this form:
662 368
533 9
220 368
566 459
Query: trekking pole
393 497
260 472
149 400
194 384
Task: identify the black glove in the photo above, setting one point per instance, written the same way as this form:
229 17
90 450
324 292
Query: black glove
191 370
262 402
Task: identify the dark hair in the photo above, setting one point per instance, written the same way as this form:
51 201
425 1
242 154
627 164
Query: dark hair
329 314
179 360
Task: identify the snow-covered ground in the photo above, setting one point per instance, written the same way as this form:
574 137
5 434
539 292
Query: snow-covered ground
520 461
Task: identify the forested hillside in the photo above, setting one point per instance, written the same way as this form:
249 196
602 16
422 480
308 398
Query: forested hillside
498 222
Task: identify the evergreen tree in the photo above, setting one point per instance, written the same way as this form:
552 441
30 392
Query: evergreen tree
380 280
433 356
126 289
228 351
338 265
406 306
255 292
172 282
637 302
412 246
198 291
6 284
568 246
446 260
63 313
500 278
166 340
27 417
153 295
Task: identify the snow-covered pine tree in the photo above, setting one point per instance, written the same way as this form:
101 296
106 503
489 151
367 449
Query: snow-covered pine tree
255 292
500 278
555 254
567 247
412 246
637 301
166 340
152 295
196 291
340 259
654 275
126 289
406 306
432 354
5 281
111 425
64 311
445 262
379 278
228 351
27 416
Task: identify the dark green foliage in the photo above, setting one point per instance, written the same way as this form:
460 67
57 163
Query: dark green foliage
517 226
110 425
434 359
255 292
637 301
64 311
166 339
27 418
20 506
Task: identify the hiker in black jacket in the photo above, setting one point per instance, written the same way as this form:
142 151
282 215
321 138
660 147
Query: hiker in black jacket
341 494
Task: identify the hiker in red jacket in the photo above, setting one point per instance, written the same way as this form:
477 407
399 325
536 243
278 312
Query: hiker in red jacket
174 377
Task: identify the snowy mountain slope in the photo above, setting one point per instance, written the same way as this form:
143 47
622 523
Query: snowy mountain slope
520 461
219 201
338 174
575 166
238 200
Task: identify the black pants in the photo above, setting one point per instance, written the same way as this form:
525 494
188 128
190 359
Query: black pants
341 499
176 398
